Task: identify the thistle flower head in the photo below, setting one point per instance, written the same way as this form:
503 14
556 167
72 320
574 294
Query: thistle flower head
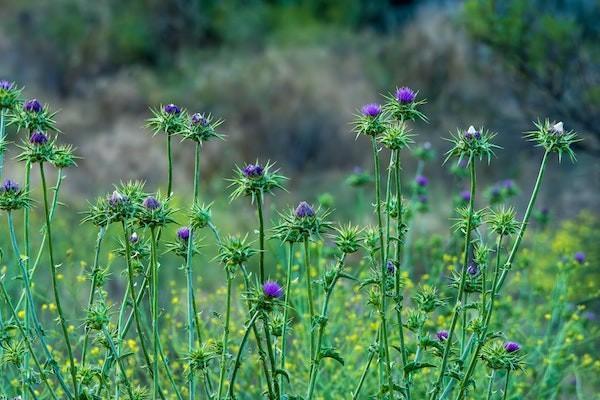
169 119
465 196
134 238
64 157
371 110
272 290
347 238
235 251
98 213
201 215
390 267
422 180
424 152
13 197
463 219
255 180
553 138
97 317
9 95
183 233
38 138
428 299
116 198
171 109
580 257
155 212
471 144
473 269
199 358
442 335
369 120
512 347
396 136
359 177
503 221
405 95
202 127
304 210
33 106
403 105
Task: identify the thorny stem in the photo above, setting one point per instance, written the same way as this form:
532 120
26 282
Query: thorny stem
288 287
530 205
316 360
238 357
491 385
100 236
383 345
271 354
365 370
113 350
170 161
55 284
457 306
225 337
37 363
154 307
2 140
31 306
261 236
309 296
506 383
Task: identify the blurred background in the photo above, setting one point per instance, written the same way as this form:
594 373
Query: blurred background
287 77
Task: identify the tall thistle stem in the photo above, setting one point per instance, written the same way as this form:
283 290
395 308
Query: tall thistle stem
288 287
459 297
309 296
99 238
41 369
225 336
59 309
521 233
154 307
170 165
490 389
261 236
238 357
115 354
2 140
383 345
363 376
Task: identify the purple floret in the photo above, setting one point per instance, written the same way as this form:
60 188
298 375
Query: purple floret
473 269
390 267
512 347
580 257
10 186
405 95
151 203
253 171
465 195
171 109
371 110
304 210
6 85
442 336
38 138
272 289
33 105
199 119
183 233
422 180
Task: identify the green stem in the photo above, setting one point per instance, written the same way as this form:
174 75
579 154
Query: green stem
238 357
190 312
41 370
383 345
225 337
361 381
487 317
457 306
261 237
316 360
2 141
101 232
154 307
288 287
506 383
55 284
111 345
491 385
530 205
170 161
271 354
311 306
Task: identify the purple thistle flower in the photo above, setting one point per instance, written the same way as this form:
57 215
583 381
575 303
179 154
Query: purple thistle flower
134 238
472 133
183 233
171 109
557 129
253 171
10 186
442 335
33 105
304 210
115 199
508 183
391 268
512 347
580 257
371 110
151 203
465 195
473 269
38 138
6 85
199 119
423 199
272 289
422 180
405 95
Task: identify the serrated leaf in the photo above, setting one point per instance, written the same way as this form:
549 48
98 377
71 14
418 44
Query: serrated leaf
414 366
331 353
284 373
